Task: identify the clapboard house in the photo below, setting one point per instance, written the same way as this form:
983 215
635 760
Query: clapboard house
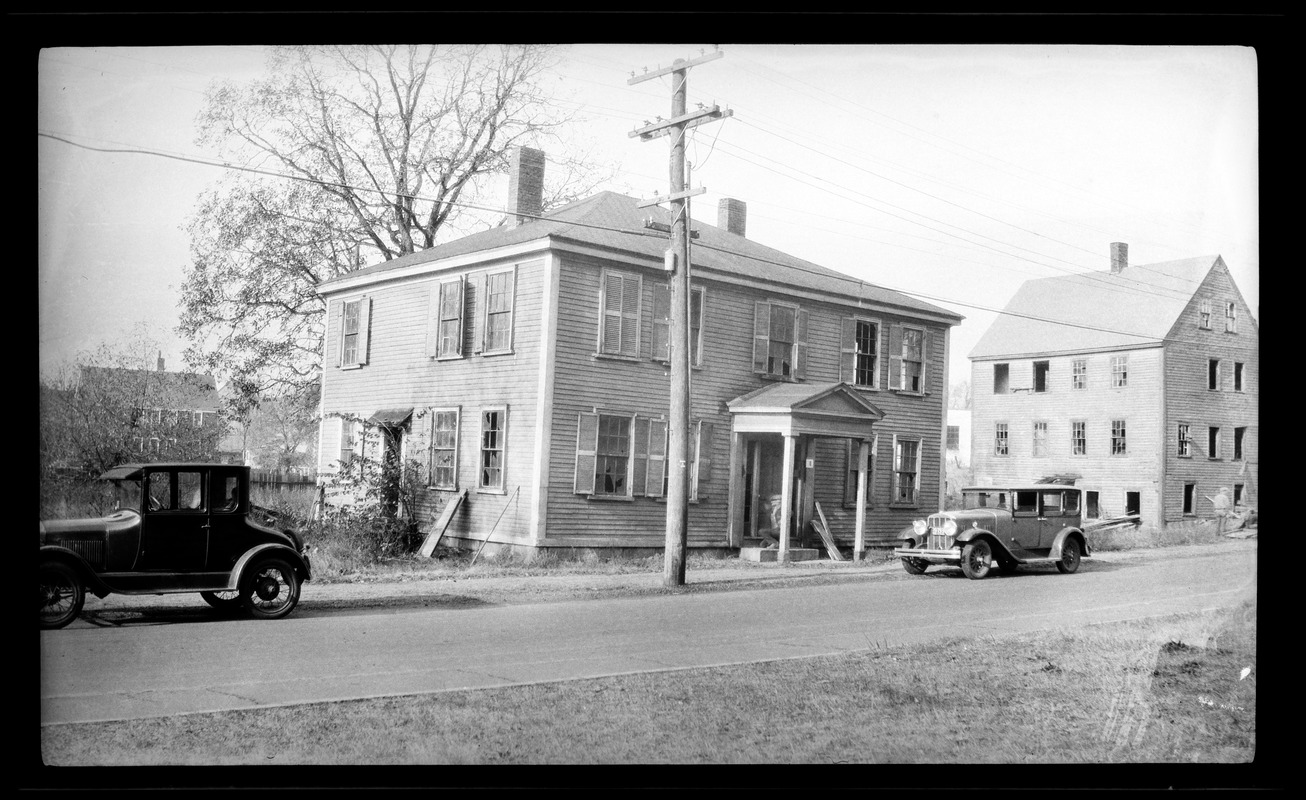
1141 382
525 369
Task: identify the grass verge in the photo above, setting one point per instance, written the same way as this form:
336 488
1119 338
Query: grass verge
1167 691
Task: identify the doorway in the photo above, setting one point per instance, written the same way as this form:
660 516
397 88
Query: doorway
764 485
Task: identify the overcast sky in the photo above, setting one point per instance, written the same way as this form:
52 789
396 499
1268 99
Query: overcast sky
952 173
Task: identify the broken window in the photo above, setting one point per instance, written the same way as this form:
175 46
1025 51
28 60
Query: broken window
1238 437
444 449
1041 375
1001 378
1079 373
1213 375
1078 438
1213 442
1118 447
1185 441
1204 315
1119 371
1000 442
1040 438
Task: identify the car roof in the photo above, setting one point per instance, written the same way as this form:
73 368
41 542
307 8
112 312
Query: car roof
124 472
1020 487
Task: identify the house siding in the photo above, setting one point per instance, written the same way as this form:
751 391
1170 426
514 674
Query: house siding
1189 400
1097 405
399 374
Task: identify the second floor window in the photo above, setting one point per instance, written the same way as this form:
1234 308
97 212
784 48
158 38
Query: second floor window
1185 441
911 373
355 320
1000 443
858 352
1118 443
1237 376
1041 369
499 290
1001 378
1119 371
1239 436
449 320
779 340
662 324
1078 438
1040 438
1079 373
1213 442
1213 375
619 329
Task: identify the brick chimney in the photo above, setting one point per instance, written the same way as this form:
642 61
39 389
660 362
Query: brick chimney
160 361
732 215
1119 256
526 184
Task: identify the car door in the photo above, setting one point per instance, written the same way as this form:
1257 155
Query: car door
1025 524
229 536
174 526
1051 505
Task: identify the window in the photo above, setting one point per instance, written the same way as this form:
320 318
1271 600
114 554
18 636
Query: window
700 468
228 492
662 324
619 330
1212 442
1000 442
779 340
1026 502
1204 315
1239 493
444 449
493 438
354 325
1040 438
909 373
906 468
1237 376
625 455
1190 499
1041 375
1001 378
1213 375
1049 504
1091 508
1118 437
1079 373
1239 434
1185 441
1078 438
954 437
1230 318
858 352
497 324
612 456
850 480
1119 371
449 319
1133 503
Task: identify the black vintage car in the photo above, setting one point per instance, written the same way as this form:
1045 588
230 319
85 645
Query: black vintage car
178 527
1008 526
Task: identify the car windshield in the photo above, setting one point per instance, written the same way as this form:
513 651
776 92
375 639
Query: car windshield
127 494
995 498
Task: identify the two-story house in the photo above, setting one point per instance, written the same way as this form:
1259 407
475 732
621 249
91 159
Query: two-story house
526 369
1141 380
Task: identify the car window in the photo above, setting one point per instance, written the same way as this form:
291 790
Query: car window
189 492
226 494
160 484
1026 502
1051 504
1072 502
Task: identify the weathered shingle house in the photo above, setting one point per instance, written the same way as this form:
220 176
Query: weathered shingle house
1145 386
528 366
169 414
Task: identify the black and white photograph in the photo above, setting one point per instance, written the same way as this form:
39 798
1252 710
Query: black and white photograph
601 403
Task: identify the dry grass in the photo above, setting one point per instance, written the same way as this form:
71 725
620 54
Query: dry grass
1167 691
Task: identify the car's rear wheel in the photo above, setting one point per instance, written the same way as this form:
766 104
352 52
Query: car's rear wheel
226 602
62 595
1069 561
976 559
271 589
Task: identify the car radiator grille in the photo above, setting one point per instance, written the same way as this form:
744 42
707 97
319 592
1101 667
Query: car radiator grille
90 549
938 541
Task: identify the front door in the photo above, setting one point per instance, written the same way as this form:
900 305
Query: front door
175 525
763 485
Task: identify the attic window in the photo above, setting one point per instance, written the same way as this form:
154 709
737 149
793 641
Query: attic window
1230 318
1204 315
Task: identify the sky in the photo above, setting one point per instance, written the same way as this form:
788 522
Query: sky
952 173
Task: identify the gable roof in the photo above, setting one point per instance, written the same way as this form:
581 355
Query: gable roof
190 391
615 222
1096 310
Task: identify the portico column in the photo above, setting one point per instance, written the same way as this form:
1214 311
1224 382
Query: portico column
859 546
786 496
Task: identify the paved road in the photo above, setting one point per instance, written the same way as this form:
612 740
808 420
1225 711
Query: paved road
147 670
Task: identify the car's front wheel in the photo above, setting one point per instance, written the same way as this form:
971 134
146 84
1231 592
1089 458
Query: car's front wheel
1069 561
271 589
62 595
976 559
914 566
226 602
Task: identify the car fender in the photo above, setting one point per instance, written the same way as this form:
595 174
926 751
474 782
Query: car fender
1065 534
84 570
971 534
263 551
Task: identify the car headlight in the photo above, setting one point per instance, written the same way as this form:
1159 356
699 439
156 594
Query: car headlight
950 527
920 527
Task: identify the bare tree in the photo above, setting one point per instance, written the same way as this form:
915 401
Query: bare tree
383 147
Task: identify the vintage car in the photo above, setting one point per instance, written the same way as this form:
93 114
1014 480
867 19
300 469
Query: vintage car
1037 524
177 527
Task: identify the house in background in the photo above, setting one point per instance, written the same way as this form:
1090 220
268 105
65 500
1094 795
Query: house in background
1145 387
526 369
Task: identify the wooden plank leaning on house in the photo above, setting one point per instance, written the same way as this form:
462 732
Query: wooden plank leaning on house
438 529
823 528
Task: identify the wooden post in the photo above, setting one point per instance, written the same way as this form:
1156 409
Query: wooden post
786 496
859 545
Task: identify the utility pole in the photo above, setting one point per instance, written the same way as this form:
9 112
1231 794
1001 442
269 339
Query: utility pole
677 261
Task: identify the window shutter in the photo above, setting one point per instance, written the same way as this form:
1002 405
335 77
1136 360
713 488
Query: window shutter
338 312
925 361
848 351
587 445
870 469
610 330
761 334
364 327
461 296
433 322
895 356
630 316
703 459
661 337
657 457
800 345
638 455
